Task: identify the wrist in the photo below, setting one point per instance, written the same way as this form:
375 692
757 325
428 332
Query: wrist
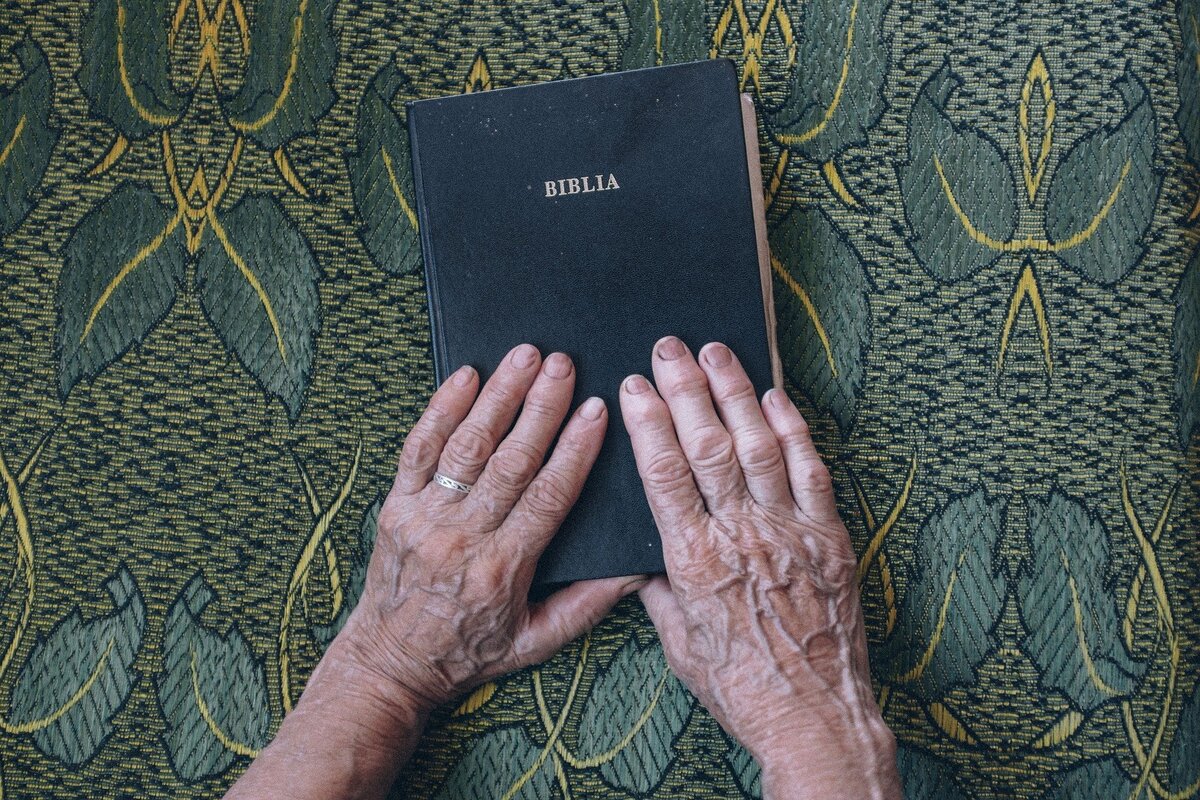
833 760
347 737
364 696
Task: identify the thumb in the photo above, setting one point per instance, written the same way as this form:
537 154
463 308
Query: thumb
568 614
665 612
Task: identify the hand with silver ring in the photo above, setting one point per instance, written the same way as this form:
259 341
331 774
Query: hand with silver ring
471 510
445 603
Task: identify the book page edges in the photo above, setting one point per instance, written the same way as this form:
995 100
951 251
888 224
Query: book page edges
754 165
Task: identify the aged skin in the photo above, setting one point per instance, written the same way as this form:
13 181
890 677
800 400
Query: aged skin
760 615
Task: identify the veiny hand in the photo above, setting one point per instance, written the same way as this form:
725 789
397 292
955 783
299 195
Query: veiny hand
760 616
444 606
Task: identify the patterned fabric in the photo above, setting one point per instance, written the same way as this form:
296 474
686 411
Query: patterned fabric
213 339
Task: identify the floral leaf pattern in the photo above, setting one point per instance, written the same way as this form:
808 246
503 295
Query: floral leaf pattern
954 172
257 279
1065 590
77 678
502 763
26 137
953 601
823 314
663 32
836 94
123 268
381 177
925 777
125 62
357 578
1183 764
286 88
212 690
636 709
1102 194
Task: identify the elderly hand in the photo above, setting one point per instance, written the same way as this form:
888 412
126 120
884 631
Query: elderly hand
760 616
445 602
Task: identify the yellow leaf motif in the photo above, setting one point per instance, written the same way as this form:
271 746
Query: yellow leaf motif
810 309
752 34
479 77
477 700
1038 76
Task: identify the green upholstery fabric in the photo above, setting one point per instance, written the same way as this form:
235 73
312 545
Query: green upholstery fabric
213 340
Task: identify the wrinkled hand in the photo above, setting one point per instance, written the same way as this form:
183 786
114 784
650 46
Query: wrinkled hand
444 606
760 616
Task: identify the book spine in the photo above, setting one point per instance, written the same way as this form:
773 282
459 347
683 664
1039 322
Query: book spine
433 298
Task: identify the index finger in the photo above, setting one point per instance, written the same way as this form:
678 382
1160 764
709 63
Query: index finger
666 474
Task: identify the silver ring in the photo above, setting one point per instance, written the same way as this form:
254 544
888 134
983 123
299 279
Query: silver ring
450 483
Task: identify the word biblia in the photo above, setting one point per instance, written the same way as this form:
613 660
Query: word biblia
583 185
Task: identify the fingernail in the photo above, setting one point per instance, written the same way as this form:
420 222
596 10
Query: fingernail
592 408
557 365
464 375
778 398
670 348
524 356
636 384
717 355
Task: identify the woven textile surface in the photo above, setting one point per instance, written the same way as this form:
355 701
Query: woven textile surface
986 255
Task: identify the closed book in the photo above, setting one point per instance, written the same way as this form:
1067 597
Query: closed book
593 216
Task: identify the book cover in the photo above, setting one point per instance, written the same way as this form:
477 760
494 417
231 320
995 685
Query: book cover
593 216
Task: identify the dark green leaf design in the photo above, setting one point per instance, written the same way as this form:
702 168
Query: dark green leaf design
926 777
381 178
953 601
356 578
125 66
746 772
1068 608
257 278
1101 200
633 715
500 760
1188 116
1102 778
212 690
823 310
664 32
26 137
1183 764
1185 348
289 74
954 177
837 83
77 678
123 266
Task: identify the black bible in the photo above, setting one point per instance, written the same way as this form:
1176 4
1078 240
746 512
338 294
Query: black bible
593 216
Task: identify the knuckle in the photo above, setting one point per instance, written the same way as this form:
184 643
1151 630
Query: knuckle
470 445
713 449
541 406
548 496
797 432
418 450
514 464
813 477
691 382
738 390
666 469
761 456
